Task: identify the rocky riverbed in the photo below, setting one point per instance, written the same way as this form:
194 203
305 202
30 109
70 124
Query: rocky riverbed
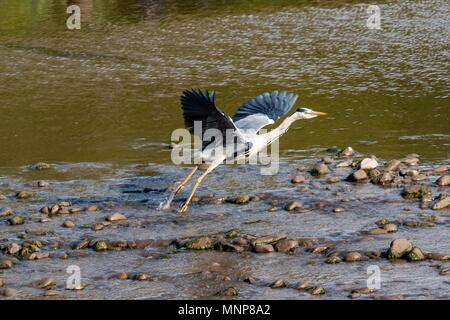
314 231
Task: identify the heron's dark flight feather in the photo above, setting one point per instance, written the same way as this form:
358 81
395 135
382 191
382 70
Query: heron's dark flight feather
201 106
274 105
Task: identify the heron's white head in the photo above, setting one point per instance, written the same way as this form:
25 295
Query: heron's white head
306 113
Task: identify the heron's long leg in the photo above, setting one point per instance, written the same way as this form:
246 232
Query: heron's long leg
185 205
178 188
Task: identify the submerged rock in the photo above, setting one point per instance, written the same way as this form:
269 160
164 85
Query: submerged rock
353 256
317 291
244 199
293 205
333 260
41 166
5 212
24 194
299 179
44 283
116 217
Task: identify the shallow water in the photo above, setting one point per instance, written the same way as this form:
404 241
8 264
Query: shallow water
100 103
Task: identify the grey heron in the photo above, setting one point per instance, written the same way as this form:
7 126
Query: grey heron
200 107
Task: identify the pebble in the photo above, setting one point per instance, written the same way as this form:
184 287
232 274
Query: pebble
443 181
202 243
333 260
392 165
344 164
347 152
42 184
264 248
319 169
359 175
8 292
68 224
368 164
416 254
5 212
442 202
353 256
317 291
244 199
100 245
24 194
445 272
390 227
299 179
41 166
416 191
116 217
16 220
399 248
91 208
97 226
44 283
293 205
5 264
279 283
286 245
228 292
338 210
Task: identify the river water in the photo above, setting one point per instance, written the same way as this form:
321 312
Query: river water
100 103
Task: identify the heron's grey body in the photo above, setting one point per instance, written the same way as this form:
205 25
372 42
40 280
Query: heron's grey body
235 138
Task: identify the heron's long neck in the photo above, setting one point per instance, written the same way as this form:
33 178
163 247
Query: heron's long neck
283 127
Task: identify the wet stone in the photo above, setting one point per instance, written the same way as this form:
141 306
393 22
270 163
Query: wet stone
41 166
443 181
392 165
279 283
4 212
347 152
264 248
416 254
42 184
444 272
317 291
333 260
338 210
286 245
244 199
319 169
293 205
441 169
390 227
8 292
202 243
442 202
228 292
68 224
357 176
100 245
368 164
385 178
416 191
399 248
353 256
344 164
5 264
116 217
24 194
16 220
299 179
44 283
333 180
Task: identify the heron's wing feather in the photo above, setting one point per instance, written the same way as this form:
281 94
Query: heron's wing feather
200 106
274 105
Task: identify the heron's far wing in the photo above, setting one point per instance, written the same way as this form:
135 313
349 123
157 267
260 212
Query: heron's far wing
274 105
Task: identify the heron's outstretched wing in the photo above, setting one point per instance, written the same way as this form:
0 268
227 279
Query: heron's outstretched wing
201 106
263 110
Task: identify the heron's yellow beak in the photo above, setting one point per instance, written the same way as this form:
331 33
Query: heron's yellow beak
318 113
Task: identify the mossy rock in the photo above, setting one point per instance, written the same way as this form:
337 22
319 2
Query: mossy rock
228 292
416 192
202 243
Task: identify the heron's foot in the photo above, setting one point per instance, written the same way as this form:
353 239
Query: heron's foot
183 208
